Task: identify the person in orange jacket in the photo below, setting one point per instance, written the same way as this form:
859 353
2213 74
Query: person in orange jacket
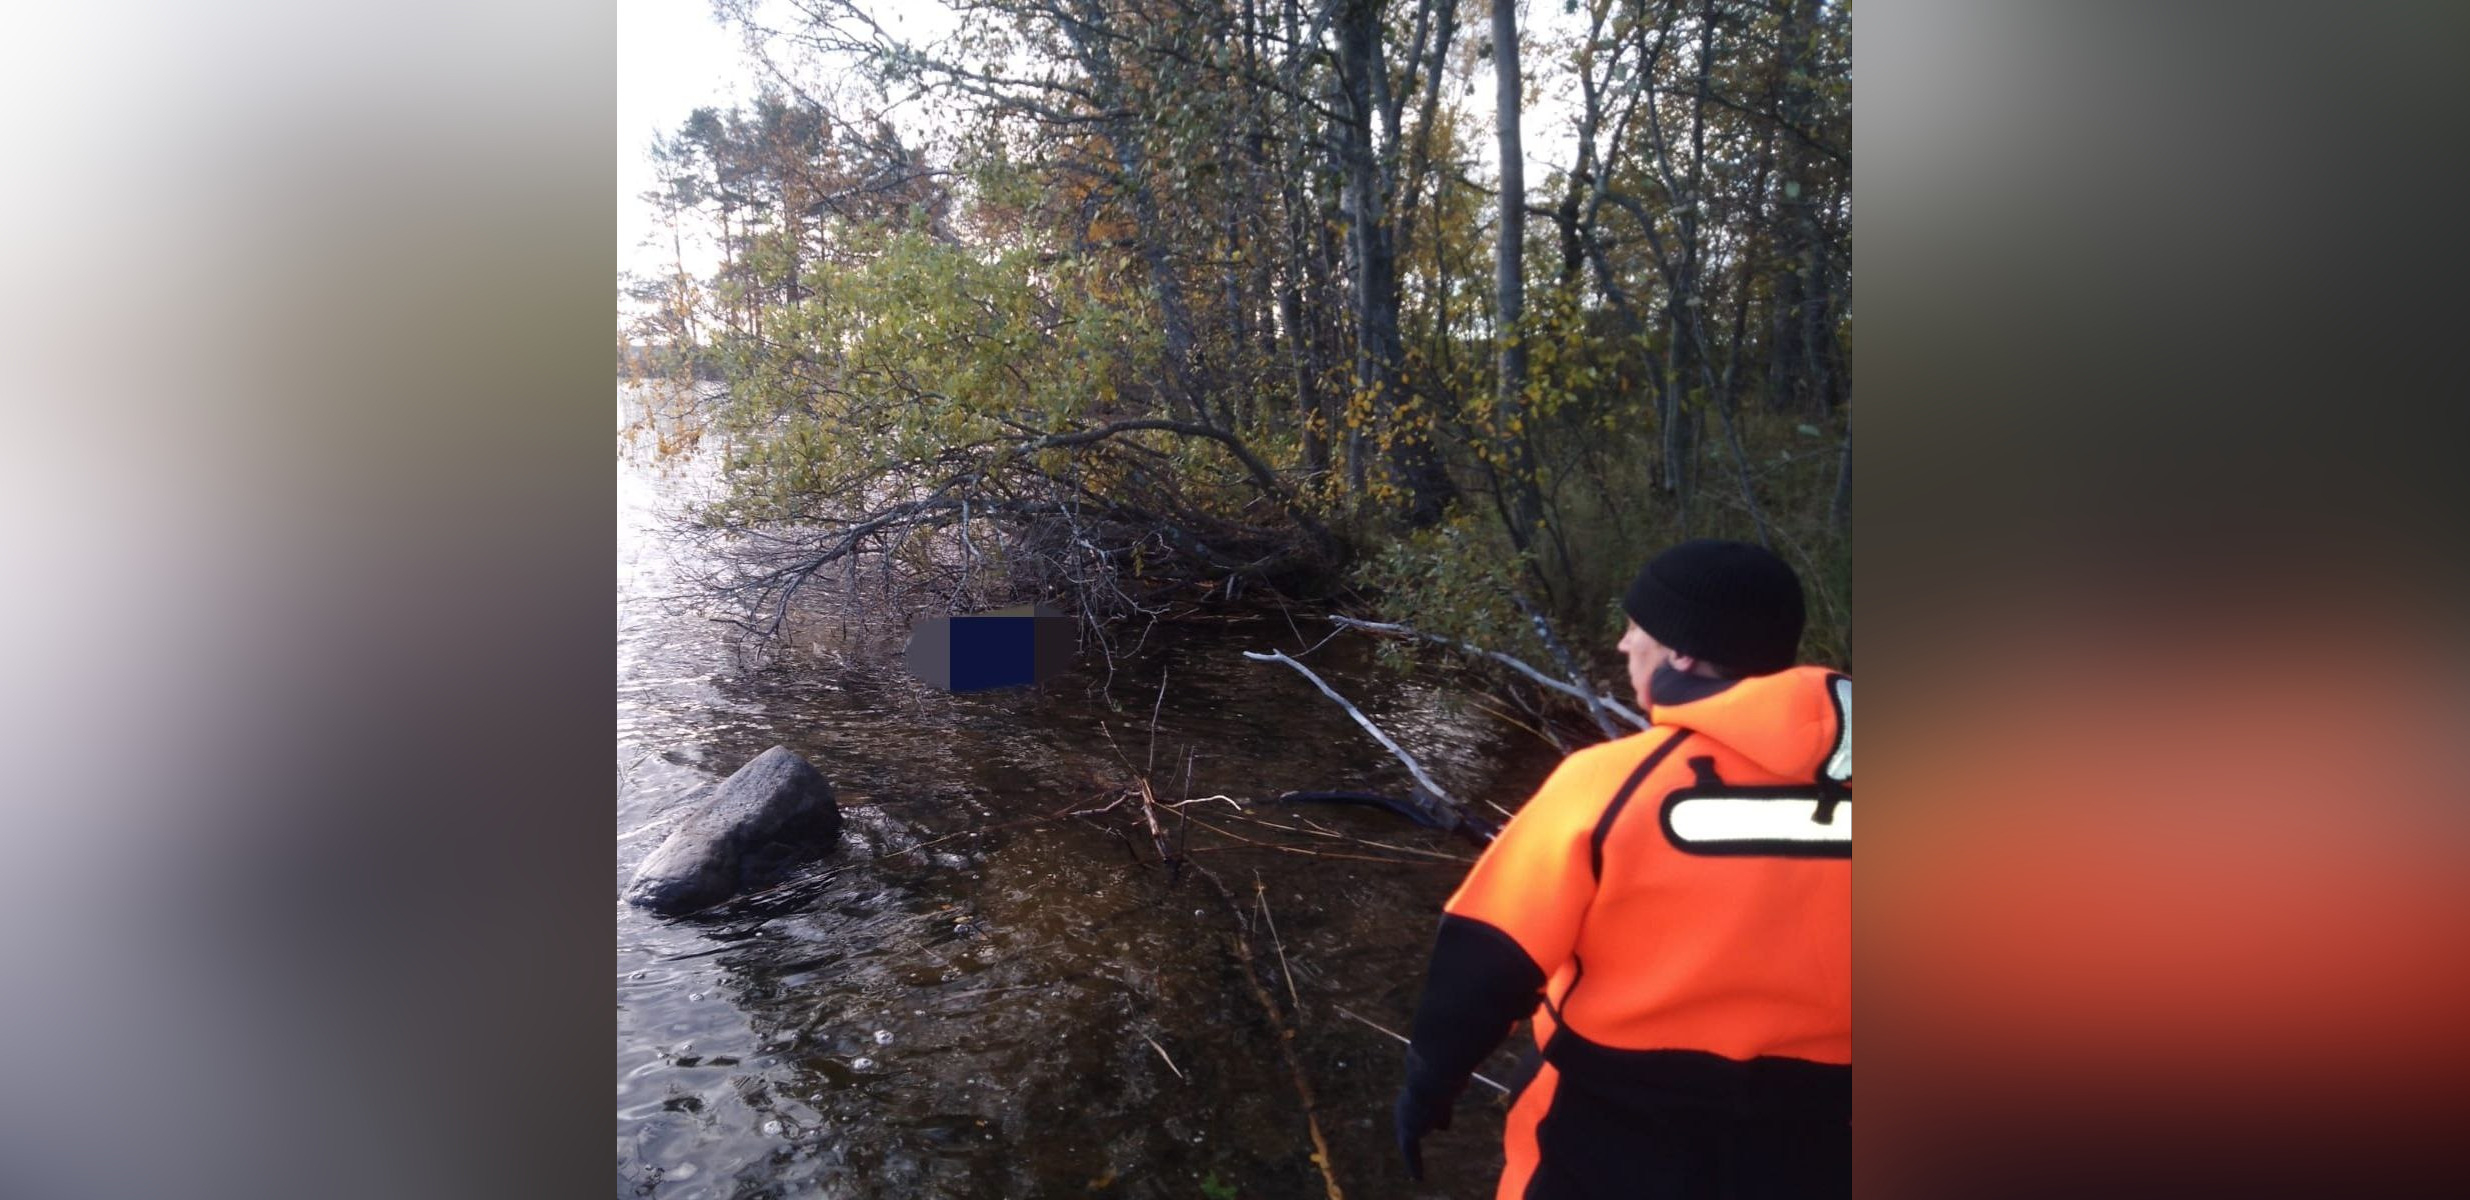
1679 903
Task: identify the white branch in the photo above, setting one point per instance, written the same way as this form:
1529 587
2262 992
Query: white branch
1616 707
1569 667
1413 768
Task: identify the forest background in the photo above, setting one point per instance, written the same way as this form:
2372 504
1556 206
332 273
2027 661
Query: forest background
1137 308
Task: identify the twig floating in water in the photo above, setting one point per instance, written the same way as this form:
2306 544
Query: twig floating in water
1261 890
1318 831
1170 1063
1231 835
1153 722
989 991
1157 833
1237 805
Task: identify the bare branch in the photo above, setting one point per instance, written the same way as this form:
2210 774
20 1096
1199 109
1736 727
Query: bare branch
1569 666
1413 768
1607 702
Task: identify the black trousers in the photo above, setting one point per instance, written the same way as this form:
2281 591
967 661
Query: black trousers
1591 1149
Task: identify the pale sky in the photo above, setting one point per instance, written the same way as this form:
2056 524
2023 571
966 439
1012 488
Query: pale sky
671 58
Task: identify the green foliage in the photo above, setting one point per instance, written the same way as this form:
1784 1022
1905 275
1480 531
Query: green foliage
1144 212
924 353
1215 1189
1454 580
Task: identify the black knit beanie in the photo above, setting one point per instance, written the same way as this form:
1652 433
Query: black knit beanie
1734 604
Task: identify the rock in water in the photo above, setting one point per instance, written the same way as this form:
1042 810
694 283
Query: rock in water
776 811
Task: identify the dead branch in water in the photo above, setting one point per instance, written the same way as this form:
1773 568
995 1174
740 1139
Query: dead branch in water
1300 851
1541 733
1567 689
1284 1036
1041 985
1569 667
1260 891
1183 832
1318 831
1154 706
1413 768
1285 1039
1157 832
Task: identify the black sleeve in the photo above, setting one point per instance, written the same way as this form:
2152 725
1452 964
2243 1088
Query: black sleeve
1480 985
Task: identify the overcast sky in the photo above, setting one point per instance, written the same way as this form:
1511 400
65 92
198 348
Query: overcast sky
673 57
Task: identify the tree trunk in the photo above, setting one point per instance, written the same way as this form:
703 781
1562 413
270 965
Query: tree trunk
1412 462
1123 135
1509 283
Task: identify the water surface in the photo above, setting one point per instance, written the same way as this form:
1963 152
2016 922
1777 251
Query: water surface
974 997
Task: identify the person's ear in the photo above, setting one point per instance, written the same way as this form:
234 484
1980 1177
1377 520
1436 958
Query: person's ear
1682 663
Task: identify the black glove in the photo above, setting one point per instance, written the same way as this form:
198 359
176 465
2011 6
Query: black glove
1423 1104
1420 1111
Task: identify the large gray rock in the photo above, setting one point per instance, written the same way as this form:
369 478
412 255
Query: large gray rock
775 812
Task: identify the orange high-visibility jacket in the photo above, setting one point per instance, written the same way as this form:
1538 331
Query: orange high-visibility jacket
1680 901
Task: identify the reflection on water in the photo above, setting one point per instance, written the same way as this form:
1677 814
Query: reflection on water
973 998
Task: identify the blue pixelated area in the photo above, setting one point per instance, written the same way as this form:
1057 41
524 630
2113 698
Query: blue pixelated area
993 652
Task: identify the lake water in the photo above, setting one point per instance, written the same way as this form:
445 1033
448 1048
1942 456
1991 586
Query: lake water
973 997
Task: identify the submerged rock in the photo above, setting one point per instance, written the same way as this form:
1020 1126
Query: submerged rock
773 813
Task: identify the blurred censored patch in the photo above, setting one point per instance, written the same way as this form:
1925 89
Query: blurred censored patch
1000 648
2171 889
